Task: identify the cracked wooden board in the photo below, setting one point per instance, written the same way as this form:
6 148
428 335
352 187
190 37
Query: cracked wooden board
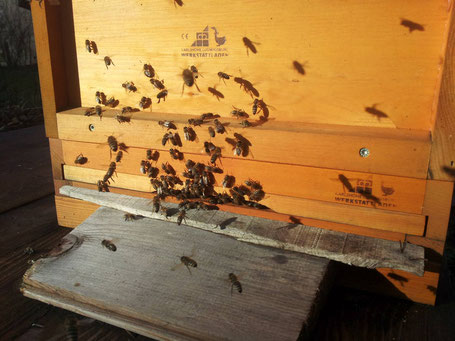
343 247
141 287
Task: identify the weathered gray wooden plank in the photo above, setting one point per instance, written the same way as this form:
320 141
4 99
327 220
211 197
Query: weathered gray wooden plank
143 282
343 247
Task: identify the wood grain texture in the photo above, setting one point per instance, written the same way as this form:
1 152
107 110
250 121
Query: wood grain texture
437 206
442 160
365 60
276 178
343 247
367 217
392 151
137 280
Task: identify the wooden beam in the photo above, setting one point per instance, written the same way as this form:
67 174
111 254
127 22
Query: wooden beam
397 152
146 285
368 217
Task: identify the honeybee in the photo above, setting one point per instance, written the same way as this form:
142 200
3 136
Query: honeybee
109 245
223 76
254 109
195 122
188 79
130 217
122 118
157 83
110 171
98 97
119 156
208 116
99 111
167 168
188 262
167 124
152 172
235 283
88 46
111 102
239 113
80 160
195 71
215 155
113 144
220 129
253 184
129 86
102 186
213 169
175 154
152 155
228 181
149 71
211 132
89 111
189 134
245 124
145 102
108 61
190 164
209 147
238 150
162 95
257 195
180 217
145 166
156 203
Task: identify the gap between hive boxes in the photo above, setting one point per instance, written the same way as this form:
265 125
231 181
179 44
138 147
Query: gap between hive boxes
343 247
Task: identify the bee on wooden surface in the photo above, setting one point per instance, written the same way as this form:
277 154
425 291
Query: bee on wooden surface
208 116
223 76
257 195
157 84
211 131
247 86
88 46
181 217
162 95
213 169
253 184
245 124
189 134
175 139
256 205
195 122
80 160
129 86
112 143
130 217
100 97
110 172
188 80
239 113
209 147
195 71
190 163
152 172
119 156
156 203
145 102
218 94
71 328
109 245
122 118
176 154
254 109
216 155
167 124
89 111
152 155
166 138
108 61
111 102
149 71
238 150
249 45
99 111
219 127
145 165
167 168
235 283
102 186
228 181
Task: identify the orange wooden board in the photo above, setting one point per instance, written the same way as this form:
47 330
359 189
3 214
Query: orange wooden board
280 179
354 54
392 151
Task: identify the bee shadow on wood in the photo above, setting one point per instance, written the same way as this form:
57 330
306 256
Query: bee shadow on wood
373 110
247 86
250 45
449 171
411 25
300 68
227 222
178 2
398 278
215 93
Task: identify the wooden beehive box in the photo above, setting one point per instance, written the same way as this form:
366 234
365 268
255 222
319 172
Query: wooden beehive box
354 131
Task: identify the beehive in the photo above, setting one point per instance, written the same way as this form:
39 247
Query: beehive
355 127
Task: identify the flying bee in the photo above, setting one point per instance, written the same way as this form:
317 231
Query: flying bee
157 84
195 122
145 166
162 95
145 102
239 113
175 154
235 283
119 156
109 245
219 127
149 71
189 134
245 124
129 86
228 181
102 186
211 131
88 46
108 61
167 124
122 118
130 217
180 217
253 184
167 168
89 111
80 160
188 80
257 195
223 76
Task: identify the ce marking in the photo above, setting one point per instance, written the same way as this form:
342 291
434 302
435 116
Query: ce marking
185 36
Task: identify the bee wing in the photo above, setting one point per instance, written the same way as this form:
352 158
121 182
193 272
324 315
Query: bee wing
175 267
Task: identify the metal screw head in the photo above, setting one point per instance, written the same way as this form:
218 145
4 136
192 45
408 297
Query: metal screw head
91 127
364 152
